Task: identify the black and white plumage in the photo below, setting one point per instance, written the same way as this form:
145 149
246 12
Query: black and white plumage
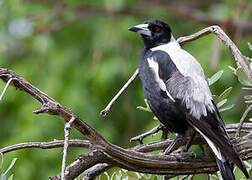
178 93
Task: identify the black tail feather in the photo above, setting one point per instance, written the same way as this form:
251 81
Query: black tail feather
226 170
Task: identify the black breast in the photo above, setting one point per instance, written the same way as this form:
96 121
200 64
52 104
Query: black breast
169 113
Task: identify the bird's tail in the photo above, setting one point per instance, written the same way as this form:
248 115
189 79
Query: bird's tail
226 169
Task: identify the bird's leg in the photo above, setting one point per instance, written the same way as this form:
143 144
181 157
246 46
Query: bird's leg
189 142
170 148
178 138
142 136
164 133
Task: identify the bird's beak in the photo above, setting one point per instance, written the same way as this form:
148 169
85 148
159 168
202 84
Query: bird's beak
141 29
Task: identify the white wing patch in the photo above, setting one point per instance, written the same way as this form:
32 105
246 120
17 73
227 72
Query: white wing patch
154 66
199 100
215 149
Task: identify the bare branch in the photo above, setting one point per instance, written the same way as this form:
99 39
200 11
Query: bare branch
226 40
82 163
96 170
66 143
142 136
102 151
46 145
105 111
242 120
239 58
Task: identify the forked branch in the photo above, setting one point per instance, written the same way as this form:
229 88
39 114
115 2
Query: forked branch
108 155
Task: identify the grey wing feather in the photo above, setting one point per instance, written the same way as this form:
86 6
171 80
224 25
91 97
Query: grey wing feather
195 95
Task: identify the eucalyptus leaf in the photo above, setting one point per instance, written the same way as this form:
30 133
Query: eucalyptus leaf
221 103
215 98
226 108
225 94
10 166
1 161
232 68
132 174
215 77
144 108
11 177
247 88
242 77
248 97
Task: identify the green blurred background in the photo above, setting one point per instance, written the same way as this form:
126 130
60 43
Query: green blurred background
81 53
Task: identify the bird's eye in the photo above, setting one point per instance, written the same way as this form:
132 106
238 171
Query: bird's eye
155 28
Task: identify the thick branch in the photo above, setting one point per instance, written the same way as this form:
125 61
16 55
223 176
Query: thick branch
129 158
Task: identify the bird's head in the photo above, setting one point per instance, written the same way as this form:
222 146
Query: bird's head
153 32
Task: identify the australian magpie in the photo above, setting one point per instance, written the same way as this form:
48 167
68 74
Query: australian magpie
178 93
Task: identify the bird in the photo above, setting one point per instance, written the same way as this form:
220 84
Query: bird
178 93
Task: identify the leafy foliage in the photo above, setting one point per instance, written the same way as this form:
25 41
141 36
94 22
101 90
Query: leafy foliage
81 53
3 175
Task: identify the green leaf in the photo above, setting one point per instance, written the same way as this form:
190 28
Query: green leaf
226 108
225 94
242 77
215 98
144 108
10 166
232 68
247 88
215 77
11 177
221 103
132 174
1 161
248 97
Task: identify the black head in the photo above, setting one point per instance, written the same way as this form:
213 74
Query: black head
153 32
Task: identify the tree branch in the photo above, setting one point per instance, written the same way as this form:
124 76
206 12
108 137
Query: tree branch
239 58
101 151
66 144
46 145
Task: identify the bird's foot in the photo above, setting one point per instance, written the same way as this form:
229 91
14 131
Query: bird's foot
173 144
182 155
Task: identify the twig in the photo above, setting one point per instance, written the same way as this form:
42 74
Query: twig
237 134
66 144
104 152
94 171
142 136
226 40
5 88
182 40
46 145
105 111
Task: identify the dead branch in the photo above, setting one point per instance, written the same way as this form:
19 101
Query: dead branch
65 149
46 145
216 30
136 158
105 111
